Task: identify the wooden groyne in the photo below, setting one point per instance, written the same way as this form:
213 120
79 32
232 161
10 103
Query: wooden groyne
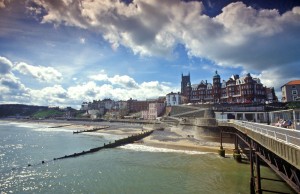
59 126
132 121
116 143
90 130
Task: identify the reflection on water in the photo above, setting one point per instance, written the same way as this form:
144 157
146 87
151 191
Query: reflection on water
129 169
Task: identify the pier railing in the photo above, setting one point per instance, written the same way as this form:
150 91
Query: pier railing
288 136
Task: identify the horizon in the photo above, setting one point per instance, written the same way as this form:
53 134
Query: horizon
64 53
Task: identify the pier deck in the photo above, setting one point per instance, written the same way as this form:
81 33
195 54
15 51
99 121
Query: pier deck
278 147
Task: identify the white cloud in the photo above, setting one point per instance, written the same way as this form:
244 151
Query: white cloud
239 36
117 87
123 80
12 83
261 40
54 95
45 74
5 65
90 91
82 40
10 86
102 76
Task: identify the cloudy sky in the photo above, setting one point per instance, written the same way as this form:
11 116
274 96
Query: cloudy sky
63 52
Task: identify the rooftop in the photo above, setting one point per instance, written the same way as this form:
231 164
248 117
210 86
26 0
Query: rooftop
293 82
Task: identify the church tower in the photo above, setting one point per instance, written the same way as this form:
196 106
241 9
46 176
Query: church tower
216 87
186 85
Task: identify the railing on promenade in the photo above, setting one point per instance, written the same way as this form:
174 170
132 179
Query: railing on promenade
288 136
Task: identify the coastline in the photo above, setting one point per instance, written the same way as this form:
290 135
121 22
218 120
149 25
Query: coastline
172 137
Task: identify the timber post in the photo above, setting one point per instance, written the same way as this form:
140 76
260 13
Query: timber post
252 178
258 178
236 153
221 150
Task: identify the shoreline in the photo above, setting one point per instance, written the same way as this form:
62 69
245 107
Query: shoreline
174 137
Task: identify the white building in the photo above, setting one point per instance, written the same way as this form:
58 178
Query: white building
291 91
108 103
84 106
121 105
174 99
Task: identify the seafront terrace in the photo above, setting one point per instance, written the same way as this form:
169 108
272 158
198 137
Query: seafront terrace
278 147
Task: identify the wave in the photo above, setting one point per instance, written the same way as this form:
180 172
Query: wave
143 148
107 136
46 129
28 125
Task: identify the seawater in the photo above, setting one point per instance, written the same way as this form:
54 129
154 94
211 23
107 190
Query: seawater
129 169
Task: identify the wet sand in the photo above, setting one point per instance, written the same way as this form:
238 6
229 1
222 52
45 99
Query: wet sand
172 137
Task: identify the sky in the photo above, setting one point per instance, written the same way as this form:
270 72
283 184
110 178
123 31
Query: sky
64 52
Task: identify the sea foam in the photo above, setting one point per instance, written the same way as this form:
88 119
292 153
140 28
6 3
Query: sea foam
143 148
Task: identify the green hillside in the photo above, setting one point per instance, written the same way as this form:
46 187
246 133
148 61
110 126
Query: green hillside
48 114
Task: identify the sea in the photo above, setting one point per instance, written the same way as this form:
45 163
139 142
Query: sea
133 168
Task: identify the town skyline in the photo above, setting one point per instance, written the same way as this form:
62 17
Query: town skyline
65 52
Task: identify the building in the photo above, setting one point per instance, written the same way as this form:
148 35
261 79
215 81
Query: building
290 91
137 106
84 106
174 99
236 89
186 85
271 96
108 103
154 110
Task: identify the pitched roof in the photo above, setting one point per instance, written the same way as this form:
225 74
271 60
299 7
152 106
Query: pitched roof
294 82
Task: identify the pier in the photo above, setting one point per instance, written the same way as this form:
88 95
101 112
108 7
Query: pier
279 148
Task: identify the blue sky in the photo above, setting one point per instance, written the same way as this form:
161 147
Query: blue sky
63 52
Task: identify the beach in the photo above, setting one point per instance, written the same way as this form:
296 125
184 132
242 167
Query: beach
176 159
171 137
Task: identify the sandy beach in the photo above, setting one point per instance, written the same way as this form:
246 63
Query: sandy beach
172 137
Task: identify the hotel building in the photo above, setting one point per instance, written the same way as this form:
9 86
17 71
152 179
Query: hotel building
236 89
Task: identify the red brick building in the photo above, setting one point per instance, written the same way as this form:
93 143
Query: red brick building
236 89
137 106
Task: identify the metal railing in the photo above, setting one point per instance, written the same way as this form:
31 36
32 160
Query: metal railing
288 136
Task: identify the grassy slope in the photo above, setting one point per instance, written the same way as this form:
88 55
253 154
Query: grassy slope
47 114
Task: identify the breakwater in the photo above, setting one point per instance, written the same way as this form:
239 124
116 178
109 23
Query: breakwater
59 126
90 130
116 143
133 121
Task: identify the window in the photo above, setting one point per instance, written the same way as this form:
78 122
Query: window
295 98
294 92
